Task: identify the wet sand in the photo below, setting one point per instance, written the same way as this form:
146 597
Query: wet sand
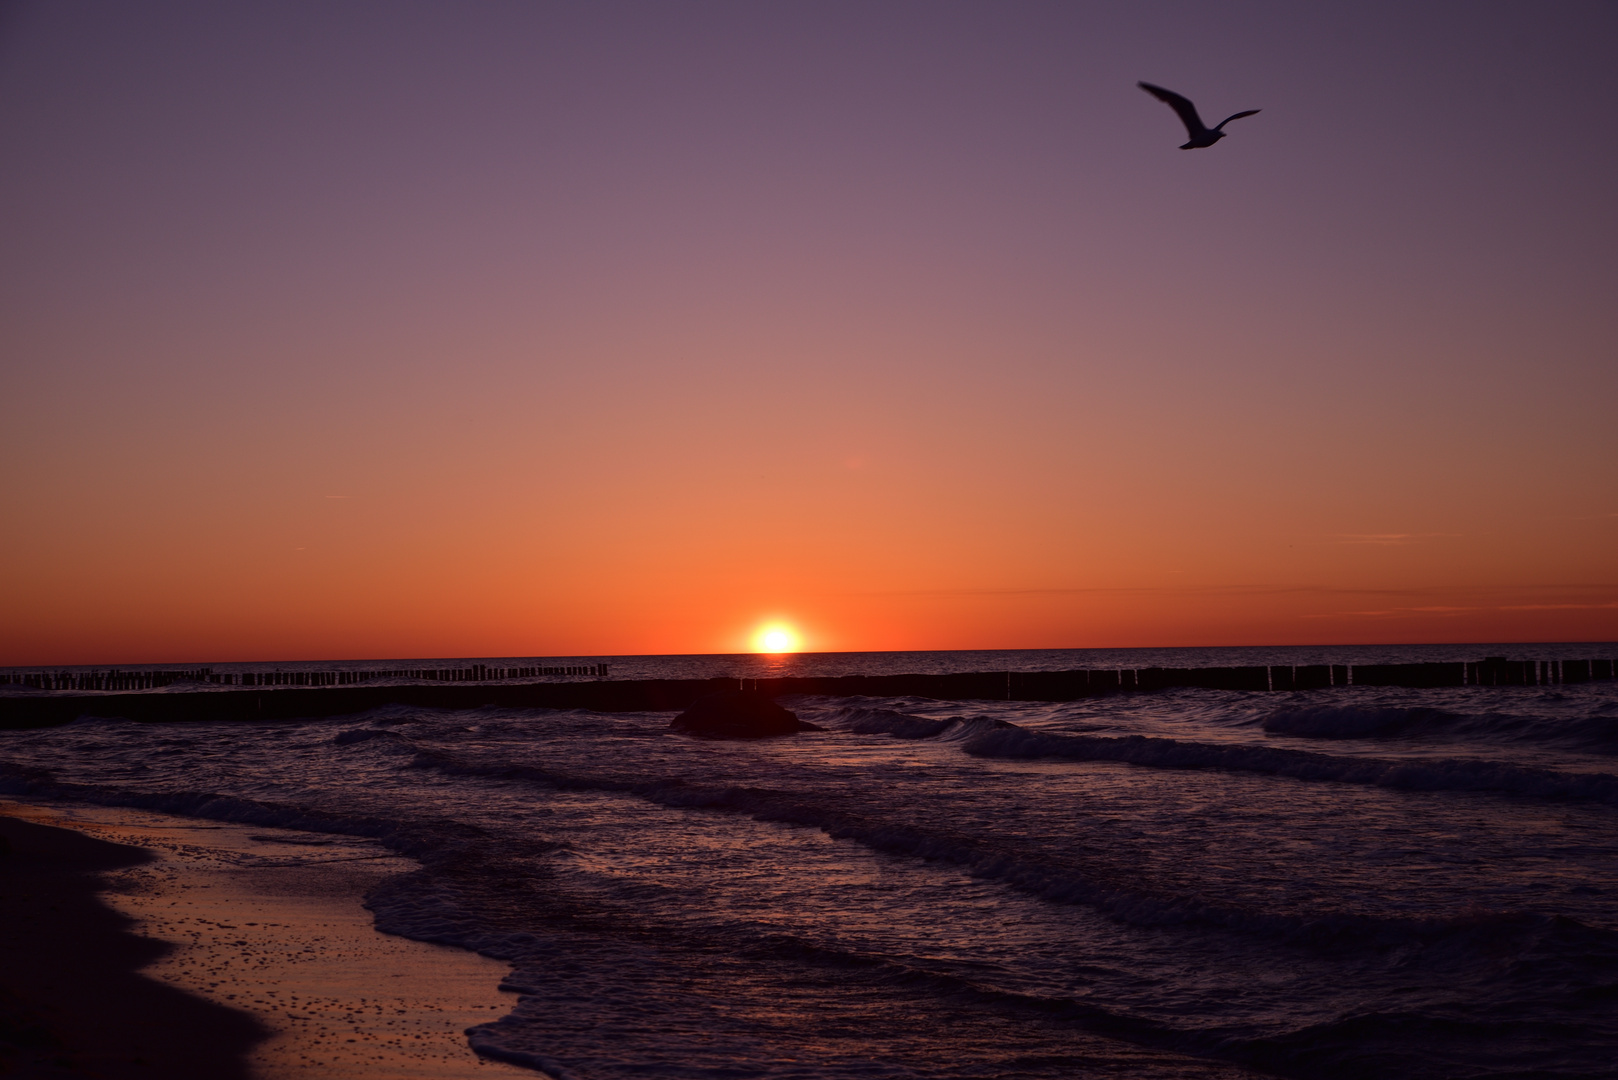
71 1001
258 932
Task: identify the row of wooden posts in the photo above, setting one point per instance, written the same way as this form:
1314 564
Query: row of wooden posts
1491 671
150 680
104 680
598 694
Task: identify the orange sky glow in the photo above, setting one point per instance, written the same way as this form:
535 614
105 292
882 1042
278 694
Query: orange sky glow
528 335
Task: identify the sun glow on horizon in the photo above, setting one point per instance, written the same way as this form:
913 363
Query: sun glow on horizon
776 638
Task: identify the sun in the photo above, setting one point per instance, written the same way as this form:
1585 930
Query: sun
776 638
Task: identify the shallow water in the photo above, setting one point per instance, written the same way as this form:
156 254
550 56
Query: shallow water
1351 882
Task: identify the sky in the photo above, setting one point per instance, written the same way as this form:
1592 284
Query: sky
353 330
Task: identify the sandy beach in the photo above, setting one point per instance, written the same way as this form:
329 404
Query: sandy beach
143 944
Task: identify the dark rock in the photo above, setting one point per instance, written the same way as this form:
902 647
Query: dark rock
738 714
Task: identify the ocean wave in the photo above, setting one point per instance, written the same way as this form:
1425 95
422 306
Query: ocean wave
468 895
1429 1045
1545 953
414 839
718 1008
1436 774
864 720
1284 1042
1594 732
1343 721
1128 902
860 720
359 735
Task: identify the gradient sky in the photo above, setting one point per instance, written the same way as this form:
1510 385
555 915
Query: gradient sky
400 329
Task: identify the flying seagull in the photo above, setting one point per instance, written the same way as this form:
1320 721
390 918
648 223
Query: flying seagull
1200 136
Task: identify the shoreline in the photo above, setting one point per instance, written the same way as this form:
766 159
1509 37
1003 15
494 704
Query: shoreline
255 936
72 999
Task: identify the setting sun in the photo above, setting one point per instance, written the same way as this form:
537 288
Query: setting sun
776 638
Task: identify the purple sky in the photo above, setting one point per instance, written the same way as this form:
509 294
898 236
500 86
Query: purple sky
618 327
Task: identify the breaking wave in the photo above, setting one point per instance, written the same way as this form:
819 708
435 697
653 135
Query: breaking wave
1440 774
1595 731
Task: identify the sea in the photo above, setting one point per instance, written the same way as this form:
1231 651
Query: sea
1365 882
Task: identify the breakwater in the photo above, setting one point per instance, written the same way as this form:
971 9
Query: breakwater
313 699
116 680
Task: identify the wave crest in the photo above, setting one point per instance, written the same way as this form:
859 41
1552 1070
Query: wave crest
1436 774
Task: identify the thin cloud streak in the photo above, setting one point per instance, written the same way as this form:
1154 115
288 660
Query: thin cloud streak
1449 611
1390 539
1232 590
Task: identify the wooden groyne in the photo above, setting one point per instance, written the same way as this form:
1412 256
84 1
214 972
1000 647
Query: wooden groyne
105 680
304 700
114 679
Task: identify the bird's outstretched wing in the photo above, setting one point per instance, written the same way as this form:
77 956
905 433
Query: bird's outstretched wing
1234 116
1183 106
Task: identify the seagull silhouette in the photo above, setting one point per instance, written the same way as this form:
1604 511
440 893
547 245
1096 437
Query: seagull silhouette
1200 136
